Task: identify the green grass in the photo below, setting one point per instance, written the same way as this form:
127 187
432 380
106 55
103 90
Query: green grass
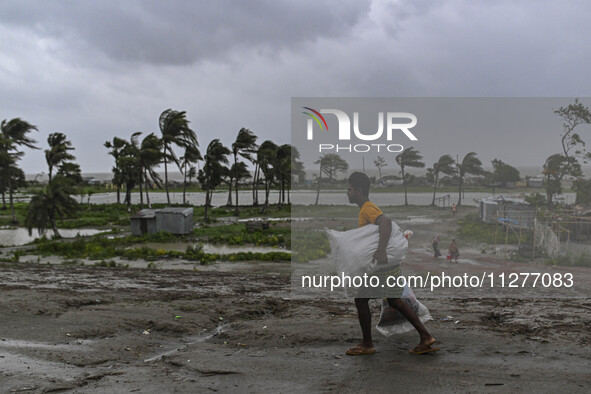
101 247
471 228
568 260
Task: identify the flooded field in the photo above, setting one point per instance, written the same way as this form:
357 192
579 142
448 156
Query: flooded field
20 236
302 197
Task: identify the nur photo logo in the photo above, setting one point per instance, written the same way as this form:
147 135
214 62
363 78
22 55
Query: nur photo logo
394 122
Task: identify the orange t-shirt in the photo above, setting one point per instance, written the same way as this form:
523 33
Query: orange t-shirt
369 213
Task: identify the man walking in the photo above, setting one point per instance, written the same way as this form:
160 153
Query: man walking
358 193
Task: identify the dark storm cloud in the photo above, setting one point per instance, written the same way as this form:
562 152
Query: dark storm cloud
99 69
184 32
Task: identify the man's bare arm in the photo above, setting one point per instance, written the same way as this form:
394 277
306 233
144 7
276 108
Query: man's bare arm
385 228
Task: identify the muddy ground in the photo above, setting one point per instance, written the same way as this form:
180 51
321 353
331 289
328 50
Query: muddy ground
237 327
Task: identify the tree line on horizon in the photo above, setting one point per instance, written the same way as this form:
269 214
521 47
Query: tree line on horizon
555 168
274 166
136 161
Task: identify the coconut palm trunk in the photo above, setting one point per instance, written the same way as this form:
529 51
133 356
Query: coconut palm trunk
184 183
166 176
147 186
141 195
435 187
404 186
11 197
318 189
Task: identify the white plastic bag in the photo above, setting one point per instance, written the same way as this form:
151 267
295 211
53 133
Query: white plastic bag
393 322
353 250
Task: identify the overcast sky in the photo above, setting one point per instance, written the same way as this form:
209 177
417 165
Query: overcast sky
99 69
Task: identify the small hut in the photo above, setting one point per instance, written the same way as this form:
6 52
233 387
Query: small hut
175 220
144 222
515 212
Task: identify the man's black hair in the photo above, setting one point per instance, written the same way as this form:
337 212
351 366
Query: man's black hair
358 180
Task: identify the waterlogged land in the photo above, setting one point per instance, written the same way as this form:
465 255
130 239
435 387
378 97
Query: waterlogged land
184 326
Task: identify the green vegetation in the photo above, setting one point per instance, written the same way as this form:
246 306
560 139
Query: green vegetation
310 245
471 228
101 248
235 234
581 260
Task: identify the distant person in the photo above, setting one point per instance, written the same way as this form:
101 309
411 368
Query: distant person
454 252
453 209
370 214
436 252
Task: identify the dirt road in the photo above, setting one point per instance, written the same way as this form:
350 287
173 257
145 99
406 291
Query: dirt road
238 328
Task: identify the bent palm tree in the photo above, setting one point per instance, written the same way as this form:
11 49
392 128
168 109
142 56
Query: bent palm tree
266 157
48 204
192 155
175 129
116 145
410 157
14 134
444 165
211 176
470 165
245 145
58 151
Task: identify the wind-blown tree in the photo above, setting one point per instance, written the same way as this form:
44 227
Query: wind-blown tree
380 162
192 155
554 169
175 130
12 178
266 158
297 168
244 146
55 201
150 156
130 168
47 205
470 165
116 145
8 167
296 171
409 157
191 173
445 165
573 145
330 164
214 170
503 173
282 166
58 152
238 171
14 134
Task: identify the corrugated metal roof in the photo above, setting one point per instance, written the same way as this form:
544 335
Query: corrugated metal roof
145 214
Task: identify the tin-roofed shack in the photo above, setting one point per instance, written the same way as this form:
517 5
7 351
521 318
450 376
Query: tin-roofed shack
171 220
514 212
175 220
144 222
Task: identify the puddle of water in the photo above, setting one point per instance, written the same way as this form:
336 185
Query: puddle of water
227 249
192 341
419 220
28 366
20 236
18 344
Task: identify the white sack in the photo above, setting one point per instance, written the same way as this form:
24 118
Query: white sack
353 250
393 322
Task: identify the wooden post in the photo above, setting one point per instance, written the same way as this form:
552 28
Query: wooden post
506 238
533 250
